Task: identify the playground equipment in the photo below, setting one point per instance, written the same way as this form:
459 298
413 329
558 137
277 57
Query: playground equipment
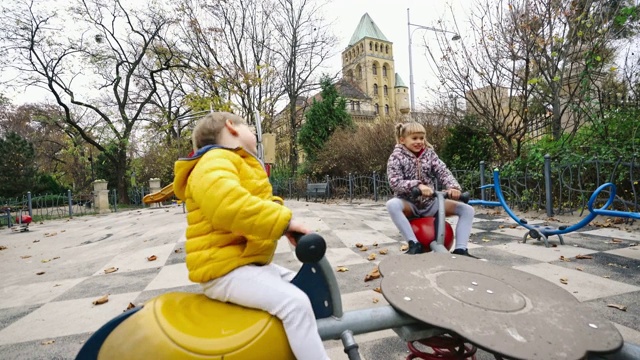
427 229
165 193
449 303
540 232
22 221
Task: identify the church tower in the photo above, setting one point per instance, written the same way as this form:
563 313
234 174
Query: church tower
367 62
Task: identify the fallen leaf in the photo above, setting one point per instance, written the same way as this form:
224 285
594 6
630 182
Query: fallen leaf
56 285
152 258
501 227
101 300
618 306
358 245
110 270
565 259
554 245
342 269
485 240
129 307
607 276
616 241
377 289
375 244
404 247
371 257
177 251
2 247
579 269
374 274
513 226
383 251
564 281
50 235
25 256
45 261
55 258
35 241
40 273
48 342
364 248
375 300
588 257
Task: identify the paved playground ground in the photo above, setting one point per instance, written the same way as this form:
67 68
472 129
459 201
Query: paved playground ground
51 275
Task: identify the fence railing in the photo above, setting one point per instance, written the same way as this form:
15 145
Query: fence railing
554 187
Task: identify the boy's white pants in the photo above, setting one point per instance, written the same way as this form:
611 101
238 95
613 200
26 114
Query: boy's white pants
268 288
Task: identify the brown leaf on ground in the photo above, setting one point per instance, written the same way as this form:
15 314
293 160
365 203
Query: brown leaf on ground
129 307
584 257
375 244
364 248
375 300
618 306
110 270
579 269
25 256
50 235
45 261
618 221
501 227
177 251
513 226
101 300
62 231
2 247
616 241
377 289
152 258
56 258
359 245
607 276
342 269
564 281
554 245
371 257
565 259
47 342
374 274
40 273
404 247
383 251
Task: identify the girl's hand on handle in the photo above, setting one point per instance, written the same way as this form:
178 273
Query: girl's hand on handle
295 227
426 191
453 194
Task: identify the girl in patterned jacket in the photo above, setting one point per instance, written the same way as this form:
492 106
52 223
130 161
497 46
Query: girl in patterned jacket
234 223
414 163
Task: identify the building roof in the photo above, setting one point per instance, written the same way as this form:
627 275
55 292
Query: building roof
366 28
350 91
399 82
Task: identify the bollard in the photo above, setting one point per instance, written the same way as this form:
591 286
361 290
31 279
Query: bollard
547 184
482 190
350 188
70 201
29 204
375 187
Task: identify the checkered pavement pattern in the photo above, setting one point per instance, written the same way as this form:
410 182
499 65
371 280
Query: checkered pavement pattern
51 275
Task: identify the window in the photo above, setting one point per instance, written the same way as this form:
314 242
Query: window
386 109
375 69
386 91
386 49
376 46
375 89
370 45
353 106
358 105
376 109
384 70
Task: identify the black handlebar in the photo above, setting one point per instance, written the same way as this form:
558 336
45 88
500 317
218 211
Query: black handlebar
310 248
464 197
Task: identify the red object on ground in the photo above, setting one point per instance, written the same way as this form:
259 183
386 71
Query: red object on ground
425 230
24 219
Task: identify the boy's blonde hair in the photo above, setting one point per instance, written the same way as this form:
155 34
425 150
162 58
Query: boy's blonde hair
208 129
410 128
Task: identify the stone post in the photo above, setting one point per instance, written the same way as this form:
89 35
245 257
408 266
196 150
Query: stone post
154 186
101 196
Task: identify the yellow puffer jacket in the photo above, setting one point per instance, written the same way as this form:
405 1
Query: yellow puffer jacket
233 218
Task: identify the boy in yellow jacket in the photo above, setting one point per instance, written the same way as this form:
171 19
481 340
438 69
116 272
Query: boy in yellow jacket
234 223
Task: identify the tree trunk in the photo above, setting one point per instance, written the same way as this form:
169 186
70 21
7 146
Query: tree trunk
293 136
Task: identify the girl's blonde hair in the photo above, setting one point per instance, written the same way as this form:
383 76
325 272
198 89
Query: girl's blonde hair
208 129
410 128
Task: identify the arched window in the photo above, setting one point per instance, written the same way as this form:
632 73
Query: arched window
353 105
376 46
384 70
375 89
386 90
386 109
374 68
370 45
376 109
386 49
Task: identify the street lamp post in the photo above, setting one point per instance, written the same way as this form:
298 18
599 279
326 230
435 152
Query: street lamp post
410 33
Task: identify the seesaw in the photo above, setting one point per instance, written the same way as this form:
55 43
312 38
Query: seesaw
542 232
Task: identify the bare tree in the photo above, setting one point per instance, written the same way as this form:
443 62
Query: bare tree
302 43
529 64
124 48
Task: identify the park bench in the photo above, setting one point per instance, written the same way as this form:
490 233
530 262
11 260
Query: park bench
317 189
